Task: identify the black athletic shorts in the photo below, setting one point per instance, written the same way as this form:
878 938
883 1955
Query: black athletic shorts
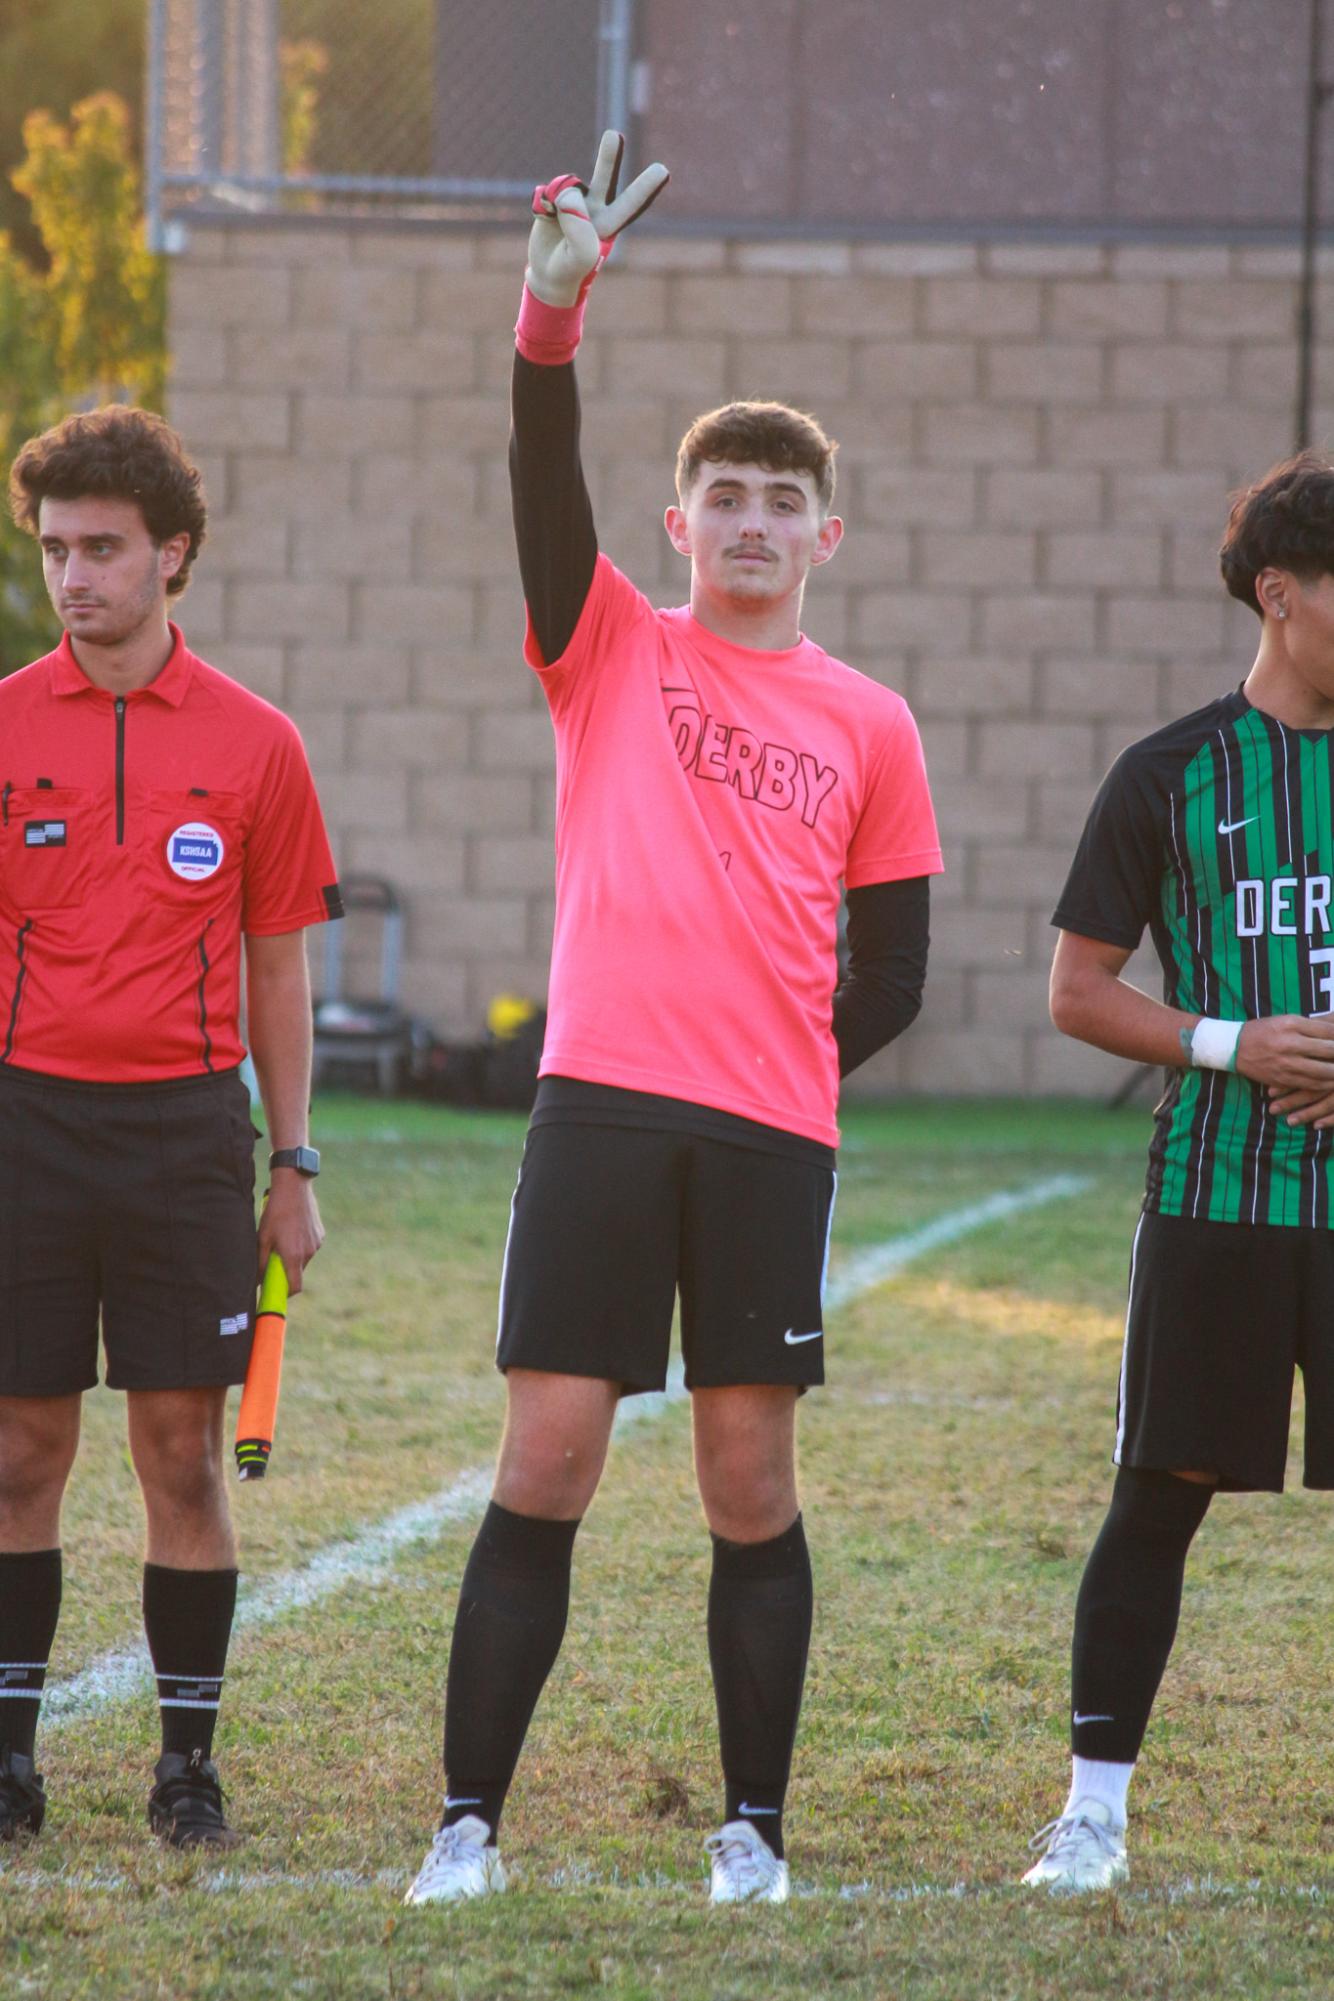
1220 1315
609 1222
133 1203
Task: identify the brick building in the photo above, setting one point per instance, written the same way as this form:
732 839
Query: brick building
1039 418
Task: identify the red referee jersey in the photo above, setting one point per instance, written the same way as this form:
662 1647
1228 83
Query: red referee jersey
140 836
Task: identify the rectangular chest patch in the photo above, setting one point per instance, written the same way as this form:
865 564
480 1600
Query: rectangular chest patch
44 833
194 851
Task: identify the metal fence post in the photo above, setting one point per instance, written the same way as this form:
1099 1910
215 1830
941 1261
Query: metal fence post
210 86
258 117
615 28
1317 97
155 124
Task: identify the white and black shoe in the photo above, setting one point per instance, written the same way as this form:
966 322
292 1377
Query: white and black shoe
1085 1850
745 1868
461 1862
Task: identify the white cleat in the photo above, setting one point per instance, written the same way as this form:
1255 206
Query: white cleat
459 1863
745 1868
1085 1850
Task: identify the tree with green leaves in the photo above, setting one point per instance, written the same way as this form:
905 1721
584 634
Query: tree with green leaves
87 328
56 54
105 289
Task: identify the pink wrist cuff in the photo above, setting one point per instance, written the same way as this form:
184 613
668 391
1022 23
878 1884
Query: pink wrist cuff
549 335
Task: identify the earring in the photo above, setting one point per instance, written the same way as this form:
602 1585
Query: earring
1280 611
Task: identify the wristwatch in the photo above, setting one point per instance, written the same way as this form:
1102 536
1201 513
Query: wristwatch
305 1159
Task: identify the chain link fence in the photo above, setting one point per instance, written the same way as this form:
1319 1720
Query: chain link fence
298 106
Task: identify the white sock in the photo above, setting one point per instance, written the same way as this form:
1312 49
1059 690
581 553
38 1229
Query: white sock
1094 1779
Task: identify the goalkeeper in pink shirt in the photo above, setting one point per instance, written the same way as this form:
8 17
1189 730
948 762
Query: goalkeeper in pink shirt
720 781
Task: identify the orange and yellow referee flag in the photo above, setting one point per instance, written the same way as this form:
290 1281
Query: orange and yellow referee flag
258 1414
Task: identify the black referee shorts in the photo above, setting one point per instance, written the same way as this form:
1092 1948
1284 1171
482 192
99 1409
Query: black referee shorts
1220 1317
132 1203
610 1222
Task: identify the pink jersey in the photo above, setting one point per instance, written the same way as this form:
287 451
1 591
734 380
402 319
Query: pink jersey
710 797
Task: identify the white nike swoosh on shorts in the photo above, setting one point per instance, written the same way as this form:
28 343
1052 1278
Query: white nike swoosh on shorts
793 1340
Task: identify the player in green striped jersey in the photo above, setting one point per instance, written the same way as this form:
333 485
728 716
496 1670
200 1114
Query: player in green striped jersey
1216 834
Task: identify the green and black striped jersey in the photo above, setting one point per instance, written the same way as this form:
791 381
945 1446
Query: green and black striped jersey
1216 833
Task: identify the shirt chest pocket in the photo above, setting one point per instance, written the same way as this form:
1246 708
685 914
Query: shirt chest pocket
192 848
45 858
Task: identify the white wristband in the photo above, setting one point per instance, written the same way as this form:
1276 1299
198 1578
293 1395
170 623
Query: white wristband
1213 1044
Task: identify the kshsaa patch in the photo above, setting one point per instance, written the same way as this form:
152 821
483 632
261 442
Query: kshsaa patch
195 851
44 833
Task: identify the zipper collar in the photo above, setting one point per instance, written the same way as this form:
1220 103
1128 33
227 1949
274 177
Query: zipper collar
170 686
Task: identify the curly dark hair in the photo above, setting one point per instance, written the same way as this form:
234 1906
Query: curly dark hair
117 453
1285 522
771 435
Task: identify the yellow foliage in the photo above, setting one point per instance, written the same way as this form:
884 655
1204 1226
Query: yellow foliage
300 68
89 329
105 288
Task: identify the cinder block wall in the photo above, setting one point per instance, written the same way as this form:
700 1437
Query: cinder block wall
1036 447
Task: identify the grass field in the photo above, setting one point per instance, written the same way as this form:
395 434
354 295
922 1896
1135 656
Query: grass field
954 1474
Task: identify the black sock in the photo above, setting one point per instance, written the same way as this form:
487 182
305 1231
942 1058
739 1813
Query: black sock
759 1634
508 1628
29 1609
1128 1607
188 1620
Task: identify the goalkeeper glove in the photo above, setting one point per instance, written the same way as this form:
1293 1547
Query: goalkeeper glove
570 240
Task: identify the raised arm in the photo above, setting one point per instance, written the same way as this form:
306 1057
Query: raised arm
553 518
572 234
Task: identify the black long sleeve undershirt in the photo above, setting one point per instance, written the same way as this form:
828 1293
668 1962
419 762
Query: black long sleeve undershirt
888 933
553 516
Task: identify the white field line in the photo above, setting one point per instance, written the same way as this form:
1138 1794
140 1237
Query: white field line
1250 1893
872 1267
113 1677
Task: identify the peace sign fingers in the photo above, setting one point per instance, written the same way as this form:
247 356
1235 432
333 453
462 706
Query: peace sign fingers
642 192
575 224
606 169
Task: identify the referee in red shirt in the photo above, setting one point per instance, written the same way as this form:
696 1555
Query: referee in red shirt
152 812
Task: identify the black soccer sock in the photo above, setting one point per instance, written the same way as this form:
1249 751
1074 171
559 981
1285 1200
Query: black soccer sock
760 1602
29 1610
1127 1611
188 1619
510 1621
